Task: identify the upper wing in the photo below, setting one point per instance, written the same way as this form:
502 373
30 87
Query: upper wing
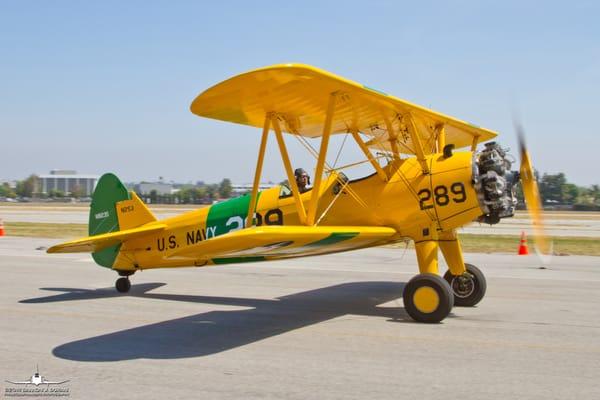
299 95
287 241
95 243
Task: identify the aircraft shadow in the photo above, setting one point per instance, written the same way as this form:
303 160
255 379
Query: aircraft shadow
216 331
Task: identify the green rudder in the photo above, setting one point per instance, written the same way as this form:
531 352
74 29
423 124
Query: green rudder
103 215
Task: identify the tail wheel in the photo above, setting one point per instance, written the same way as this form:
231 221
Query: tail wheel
468 288
123 285
428 298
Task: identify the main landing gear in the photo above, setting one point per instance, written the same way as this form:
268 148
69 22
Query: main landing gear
430 298
123 284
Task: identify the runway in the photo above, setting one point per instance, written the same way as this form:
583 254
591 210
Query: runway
325 327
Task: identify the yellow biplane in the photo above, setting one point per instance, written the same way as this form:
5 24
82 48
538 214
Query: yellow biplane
420 190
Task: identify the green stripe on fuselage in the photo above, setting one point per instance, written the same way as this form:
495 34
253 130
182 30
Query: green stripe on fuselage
228 216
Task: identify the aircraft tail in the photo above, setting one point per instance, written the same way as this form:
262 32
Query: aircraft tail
114 208
115 215
103 215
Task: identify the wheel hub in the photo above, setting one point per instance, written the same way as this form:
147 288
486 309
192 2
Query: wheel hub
463 286
426 299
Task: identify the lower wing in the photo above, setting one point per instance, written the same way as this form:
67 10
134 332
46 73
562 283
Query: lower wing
288 241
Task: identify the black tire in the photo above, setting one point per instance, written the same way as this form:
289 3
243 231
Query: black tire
468 289
122 285
445 299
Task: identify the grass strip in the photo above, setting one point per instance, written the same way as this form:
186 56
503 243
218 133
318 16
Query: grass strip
46 230
563 245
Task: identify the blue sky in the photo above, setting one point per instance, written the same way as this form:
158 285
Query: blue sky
106 86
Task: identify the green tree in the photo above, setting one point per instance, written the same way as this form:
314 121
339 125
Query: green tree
594 192
551 187
153 196
569 192
519 193
57 194
225 188
78 191
212 192
7 191
198 194
166 198
27 187
585 197
185 195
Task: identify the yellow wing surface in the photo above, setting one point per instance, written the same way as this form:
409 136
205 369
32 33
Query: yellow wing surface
95 243
286 241
299 94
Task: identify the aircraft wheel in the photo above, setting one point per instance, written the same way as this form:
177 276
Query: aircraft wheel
468 288
123 285
428 298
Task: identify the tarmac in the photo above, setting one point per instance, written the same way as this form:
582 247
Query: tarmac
327 327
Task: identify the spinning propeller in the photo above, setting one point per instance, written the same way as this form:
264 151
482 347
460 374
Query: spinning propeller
532 196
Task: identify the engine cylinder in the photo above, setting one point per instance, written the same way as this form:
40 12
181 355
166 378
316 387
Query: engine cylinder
495 183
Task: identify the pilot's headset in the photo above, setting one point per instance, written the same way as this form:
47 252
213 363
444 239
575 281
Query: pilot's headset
300 171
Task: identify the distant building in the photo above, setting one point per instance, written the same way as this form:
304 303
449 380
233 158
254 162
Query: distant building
161 188
68 181
241 188
10 182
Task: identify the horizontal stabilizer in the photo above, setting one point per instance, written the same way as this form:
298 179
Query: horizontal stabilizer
95 243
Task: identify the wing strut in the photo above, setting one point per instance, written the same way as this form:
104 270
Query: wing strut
441 137
271 120
369 155
314 199
288 169
258 172
392 135
418 145
475 142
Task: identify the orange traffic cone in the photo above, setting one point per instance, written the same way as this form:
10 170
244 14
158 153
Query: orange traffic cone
1 228
523 250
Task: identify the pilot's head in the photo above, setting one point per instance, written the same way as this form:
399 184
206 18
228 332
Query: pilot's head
302 178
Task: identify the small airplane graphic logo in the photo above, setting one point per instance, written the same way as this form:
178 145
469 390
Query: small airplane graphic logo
37 379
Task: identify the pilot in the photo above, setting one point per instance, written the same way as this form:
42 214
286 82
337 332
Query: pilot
302 179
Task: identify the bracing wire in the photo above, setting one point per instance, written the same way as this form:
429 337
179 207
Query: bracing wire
352 193
340 150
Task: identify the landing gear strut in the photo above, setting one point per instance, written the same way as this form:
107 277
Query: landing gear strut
468 288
